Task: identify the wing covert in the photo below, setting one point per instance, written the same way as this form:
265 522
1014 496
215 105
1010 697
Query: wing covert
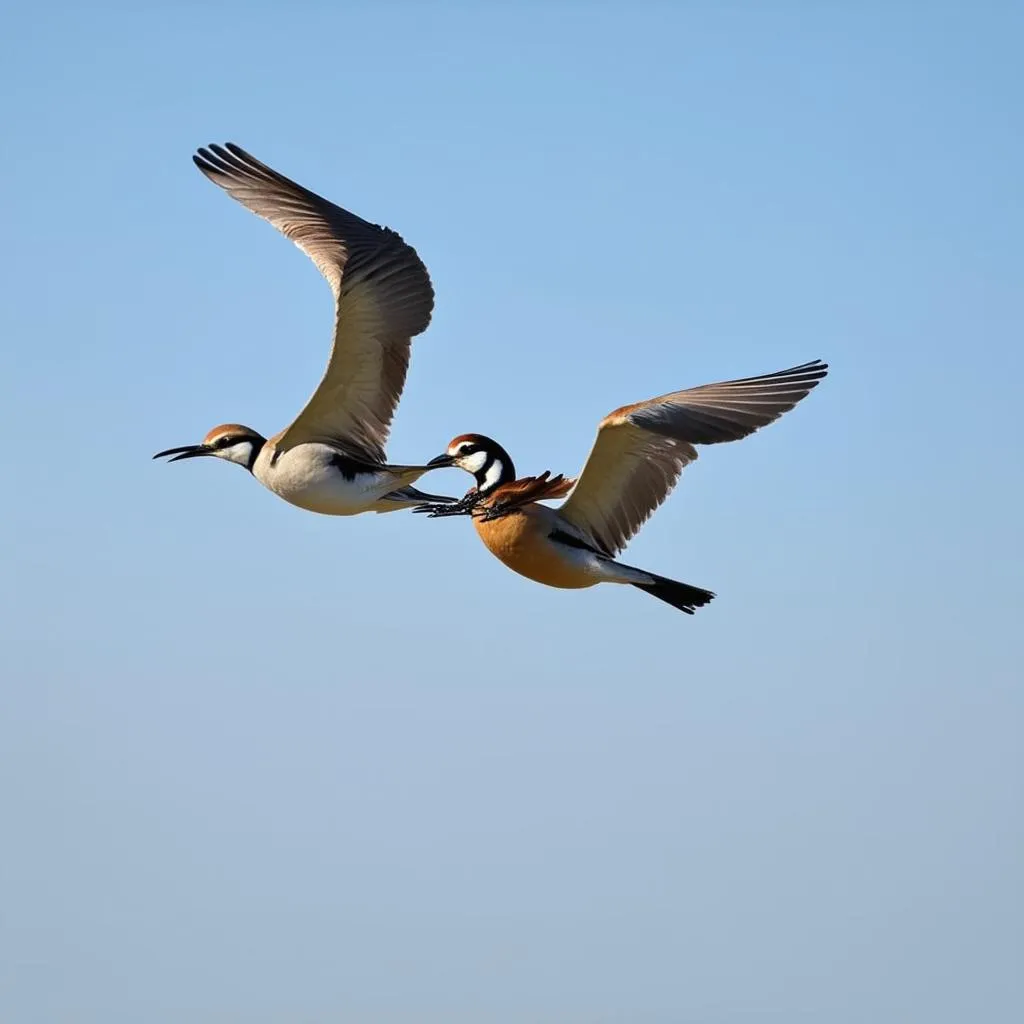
383 299
642 449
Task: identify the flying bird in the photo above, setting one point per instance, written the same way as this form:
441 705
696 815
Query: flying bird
638 456
331 458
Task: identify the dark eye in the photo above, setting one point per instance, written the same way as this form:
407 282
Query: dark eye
225 442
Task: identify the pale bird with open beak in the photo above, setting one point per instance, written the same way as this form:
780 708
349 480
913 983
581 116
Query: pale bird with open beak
331 459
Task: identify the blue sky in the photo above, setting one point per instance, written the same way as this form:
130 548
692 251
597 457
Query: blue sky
258 765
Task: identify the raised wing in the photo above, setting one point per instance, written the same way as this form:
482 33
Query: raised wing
382 293
641 449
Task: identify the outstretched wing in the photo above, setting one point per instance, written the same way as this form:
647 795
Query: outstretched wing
383 299
641 449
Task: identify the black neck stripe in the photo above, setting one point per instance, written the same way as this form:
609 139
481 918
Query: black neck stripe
506 476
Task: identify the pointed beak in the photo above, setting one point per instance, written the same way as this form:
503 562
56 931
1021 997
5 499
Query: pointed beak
188 451
442 460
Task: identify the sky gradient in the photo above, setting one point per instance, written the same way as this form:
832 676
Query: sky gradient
262 766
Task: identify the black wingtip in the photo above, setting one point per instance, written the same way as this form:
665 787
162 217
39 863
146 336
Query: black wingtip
206 161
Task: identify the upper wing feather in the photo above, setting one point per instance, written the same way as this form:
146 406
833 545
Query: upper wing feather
641 449
382 293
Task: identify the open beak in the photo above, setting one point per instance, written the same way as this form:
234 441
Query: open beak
442 460
189 451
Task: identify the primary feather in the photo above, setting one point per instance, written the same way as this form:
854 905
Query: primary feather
383 299
641 449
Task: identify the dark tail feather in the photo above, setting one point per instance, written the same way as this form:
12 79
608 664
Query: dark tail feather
414 494
680 595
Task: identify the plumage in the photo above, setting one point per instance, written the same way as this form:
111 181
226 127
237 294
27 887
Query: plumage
226 431
331 458
639 454
641 449
382 292
529 489
521 540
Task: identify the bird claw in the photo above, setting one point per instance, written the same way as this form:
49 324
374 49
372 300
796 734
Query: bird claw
463 507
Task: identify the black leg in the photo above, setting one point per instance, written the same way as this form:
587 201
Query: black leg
463 507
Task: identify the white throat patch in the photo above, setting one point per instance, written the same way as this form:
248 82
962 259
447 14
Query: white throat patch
240 452
474 463
493 475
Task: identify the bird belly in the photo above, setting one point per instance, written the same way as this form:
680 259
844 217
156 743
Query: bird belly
521 541
306 477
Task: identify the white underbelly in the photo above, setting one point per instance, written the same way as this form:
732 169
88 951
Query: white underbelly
339 497
318 486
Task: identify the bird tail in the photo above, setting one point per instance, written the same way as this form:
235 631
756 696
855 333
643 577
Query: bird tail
407 497
415 494
410 474
680 595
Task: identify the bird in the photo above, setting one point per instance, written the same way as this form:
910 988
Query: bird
636 460
331 458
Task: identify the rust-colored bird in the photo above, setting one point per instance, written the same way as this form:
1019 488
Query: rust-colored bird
638 456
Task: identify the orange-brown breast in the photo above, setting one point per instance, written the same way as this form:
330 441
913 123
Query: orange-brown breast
520 540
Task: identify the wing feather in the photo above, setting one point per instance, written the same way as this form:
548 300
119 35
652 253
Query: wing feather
383 299
642 449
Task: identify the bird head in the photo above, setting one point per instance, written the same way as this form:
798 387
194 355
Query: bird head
488 463
230 441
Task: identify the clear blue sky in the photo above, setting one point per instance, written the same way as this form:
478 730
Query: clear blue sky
262 766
